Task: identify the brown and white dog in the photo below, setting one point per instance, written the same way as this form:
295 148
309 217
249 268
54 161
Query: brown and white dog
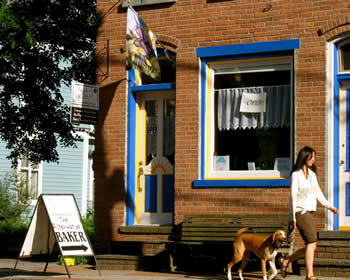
264 247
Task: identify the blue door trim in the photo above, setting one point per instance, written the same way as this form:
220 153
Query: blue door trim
133 90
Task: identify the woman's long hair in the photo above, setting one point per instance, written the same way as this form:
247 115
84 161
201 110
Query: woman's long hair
304 154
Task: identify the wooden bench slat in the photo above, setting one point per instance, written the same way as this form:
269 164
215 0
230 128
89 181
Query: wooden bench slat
237 226
198 229
208 238
229 230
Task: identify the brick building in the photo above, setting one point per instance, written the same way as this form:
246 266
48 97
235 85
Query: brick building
189 144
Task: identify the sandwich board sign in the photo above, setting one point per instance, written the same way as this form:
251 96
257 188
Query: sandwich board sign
56 220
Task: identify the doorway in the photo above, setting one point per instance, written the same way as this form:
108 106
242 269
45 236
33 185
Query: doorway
155 158
344 157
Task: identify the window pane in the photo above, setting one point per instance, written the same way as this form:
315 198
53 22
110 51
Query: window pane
257 138
24 182
24 162
167 66
260 146
169 130
34 185
345 58
152 129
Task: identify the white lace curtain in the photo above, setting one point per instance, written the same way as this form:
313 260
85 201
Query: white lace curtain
277 109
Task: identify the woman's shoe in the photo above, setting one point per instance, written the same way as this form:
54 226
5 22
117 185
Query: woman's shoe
310 278
283 268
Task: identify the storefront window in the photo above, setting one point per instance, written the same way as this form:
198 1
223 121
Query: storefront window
252 139
250 109
247 105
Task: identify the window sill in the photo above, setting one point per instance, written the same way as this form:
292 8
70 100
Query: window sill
241 183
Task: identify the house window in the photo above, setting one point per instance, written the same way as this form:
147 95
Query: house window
247 114
344 60
29 178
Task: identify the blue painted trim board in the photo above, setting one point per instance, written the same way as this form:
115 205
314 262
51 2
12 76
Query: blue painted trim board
347 204
343 77
168 193
241 183
336 139
347 129
250 48
151 194
131 155
144 88
203 116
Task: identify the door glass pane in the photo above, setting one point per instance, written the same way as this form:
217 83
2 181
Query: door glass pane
169 130
152 130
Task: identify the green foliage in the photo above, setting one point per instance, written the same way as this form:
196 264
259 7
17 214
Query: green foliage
14 200
14 207
43 44
89 226
12 234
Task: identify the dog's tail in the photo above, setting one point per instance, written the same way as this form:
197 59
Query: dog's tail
242 230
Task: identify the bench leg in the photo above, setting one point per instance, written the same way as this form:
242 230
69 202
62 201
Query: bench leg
171 263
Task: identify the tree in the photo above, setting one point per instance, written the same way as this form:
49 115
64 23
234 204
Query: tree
43 44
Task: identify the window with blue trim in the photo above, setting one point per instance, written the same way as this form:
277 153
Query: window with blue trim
247 112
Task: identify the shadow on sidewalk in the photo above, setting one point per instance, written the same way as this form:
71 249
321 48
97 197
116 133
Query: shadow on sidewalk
11 272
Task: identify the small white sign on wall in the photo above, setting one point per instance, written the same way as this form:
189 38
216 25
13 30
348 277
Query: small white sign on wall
253 102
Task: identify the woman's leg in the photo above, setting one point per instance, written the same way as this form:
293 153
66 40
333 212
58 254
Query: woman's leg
309 258
296 255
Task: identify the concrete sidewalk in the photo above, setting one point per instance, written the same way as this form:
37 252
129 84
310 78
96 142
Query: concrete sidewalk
33 270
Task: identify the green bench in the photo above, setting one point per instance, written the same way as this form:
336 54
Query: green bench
212 236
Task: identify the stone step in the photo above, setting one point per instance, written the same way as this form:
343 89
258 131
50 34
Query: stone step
334 235
328 267
122 262
332 257
157 262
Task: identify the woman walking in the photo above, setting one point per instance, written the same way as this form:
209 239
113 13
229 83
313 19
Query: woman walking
304 194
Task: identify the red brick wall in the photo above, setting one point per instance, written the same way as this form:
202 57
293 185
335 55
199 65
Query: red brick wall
203 23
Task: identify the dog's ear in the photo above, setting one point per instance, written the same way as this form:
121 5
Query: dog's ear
274 237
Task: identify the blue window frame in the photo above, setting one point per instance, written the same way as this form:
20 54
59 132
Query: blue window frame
259 60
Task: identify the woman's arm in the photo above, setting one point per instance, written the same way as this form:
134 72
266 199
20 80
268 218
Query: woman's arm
322 199
293 196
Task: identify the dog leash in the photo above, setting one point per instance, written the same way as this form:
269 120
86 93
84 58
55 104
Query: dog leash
290 238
